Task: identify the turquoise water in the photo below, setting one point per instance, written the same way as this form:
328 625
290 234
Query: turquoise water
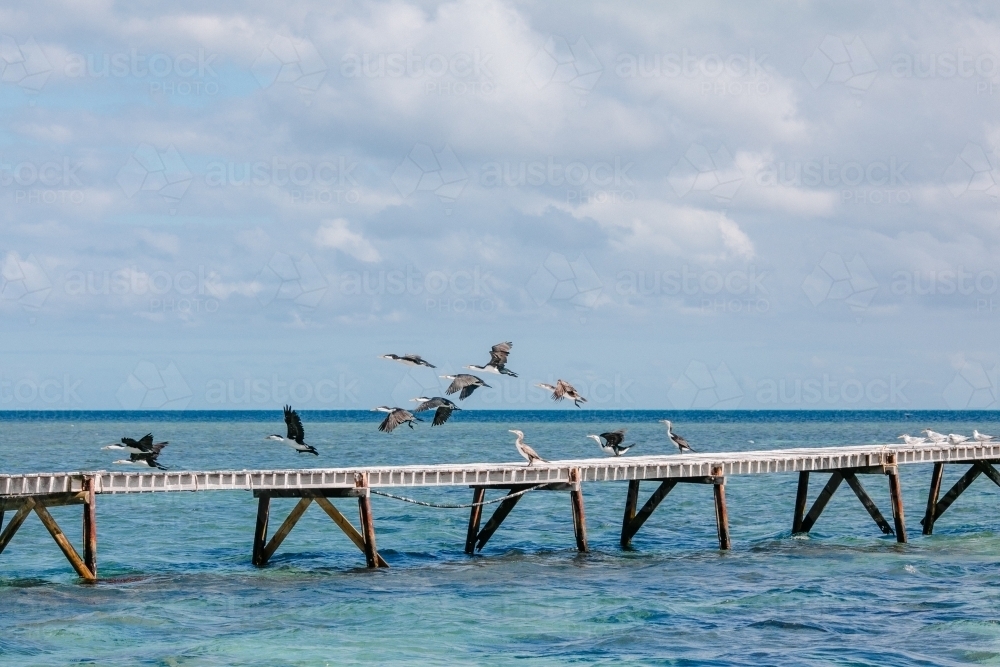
177 586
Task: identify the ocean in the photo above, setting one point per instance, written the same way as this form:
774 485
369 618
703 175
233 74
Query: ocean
177 586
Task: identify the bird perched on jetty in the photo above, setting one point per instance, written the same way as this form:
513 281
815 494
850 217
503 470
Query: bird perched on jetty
525 450
682 444
296 435
408 359
910 440
956 439
395 417
934 436
140 446
148 459
498 360
612 442
980 437
465 383
443 405
563 389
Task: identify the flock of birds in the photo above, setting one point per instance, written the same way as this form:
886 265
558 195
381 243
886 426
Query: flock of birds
145 452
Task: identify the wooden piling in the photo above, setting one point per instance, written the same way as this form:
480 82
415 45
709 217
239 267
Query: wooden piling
64 544
90 526
896 496
346 526
631 500
956 490
285 528
721 512
579 517
15 523
475 516
932 498
801 498
859 491
367 521
260 531
824 497
499 514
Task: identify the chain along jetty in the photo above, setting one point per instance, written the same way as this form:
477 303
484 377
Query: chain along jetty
23 494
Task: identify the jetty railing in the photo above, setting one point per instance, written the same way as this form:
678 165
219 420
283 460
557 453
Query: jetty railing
35 492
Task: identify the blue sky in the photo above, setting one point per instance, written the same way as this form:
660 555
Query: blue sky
698 206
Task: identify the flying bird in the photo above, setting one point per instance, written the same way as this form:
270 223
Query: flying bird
296 435
148 459
408 359
981 437
525 450
910 440
955 439
612 442
465 383
395 417
443 405
140 446
498 360
681 443
934 436
563 389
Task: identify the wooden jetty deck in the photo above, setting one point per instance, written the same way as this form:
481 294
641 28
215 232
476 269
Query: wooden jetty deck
25 493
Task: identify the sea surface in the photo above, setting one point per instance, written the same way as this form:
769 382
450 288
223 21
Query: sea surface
177 586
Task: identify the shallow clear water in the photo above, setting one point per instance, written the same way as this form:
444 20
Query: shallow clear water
178 588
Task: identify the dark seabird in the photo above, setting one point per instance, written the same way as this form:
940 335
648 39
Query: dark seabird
408 359
140 446
147 458
443 405
612 442
525 450
296 434
394 418
465 383
681 443
498 360
563 389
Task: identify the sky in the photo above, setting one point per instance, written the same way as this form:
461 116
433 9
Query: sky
692 205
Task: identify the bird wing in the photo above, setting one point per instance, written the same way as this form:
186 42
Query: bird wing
441 415
417 359
467 391
682 443
614 438
427 405
130 442
532 454
146 442
294 424
498 354
394 419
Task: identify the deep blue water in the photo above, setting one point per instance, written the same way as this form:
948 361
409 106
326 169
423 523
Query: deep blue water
178 588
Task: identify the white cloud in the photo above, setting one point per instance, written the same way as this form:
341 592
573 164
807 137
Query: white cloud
336 234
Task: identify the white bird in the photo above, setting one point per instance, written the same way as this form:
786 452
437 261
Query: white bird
140 446
563 389
612 442
681 443
443 405
956 439
525 450
465 383
394 418
981 437
296 435
408 359
498 360
910 440
934 436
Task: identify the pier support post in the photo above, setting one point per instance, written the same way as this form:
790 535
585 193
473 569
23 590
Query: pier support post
475 516
367 521
64 544
579 517
932 498
631 501
896 497
721 512
90 526
15 523
260 531
801 498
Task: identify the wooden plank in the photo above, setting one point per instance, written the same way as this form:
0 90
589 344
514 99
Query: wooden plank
896 496
475 516
579 516
801 498
955 491
15 523
932 498
867 501
351 492
71 555
367 522
90 526
990 471
821 501
499 515
631 501
285 528
650 505
721 512
345 525
51 500
260 530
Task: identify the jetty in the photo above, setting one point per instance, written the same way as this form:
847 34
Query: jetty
36 492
